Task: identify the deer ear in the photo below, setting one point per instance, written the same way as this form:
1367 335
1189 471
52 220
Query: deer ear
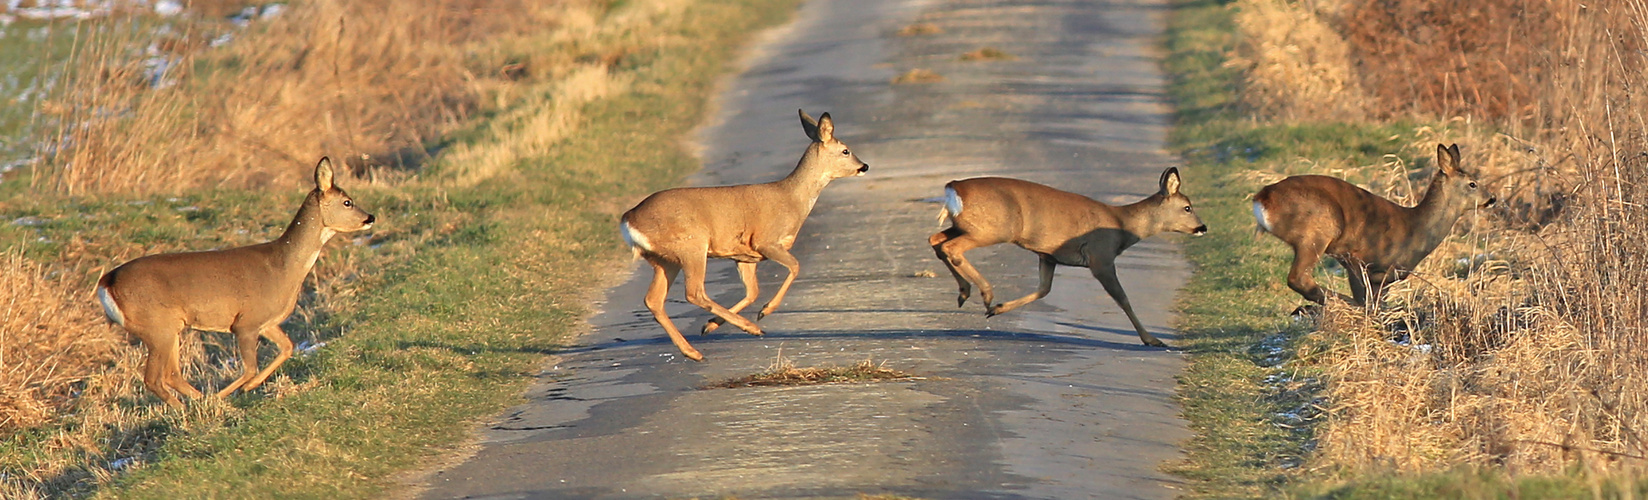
323 174
826 128
809 125
1170 181
1447 159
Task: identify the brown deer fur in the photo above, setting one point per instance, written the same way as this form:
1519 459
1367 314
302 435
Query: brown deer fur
1377 241
247 291
1063 228
679 229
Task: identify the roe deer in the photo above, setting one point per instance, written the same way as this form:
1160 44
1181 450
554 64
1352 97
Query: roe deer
247 291
679 229
1377 241
1061 227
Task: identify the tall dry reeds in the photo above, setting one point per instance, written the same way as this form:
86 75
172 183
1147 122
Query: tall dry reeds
376 81
1520 344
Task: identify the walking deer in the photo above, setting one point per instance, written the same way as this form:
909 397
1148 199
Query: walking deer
1063 228
679 229
246 291
1377 241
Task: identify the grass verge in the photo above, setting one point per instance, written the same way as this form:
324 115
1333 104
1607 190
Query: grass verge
1250 391
453 333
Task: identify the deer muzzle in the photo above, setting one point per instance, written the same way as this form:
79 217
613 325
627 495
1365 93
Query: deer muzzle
1488 203
863 168
1200 230
370 219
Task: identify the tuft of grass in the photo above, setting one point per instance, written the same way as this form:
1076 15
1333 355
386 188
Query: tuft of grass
783 372
918 75
987 54
920 29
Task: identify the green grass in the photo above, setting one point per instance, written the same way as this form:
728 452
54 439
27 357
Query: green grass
447 336
28 49
1241 378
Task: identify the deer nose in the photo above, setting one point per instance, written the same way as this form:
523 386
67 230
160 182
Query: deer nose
1489 203
864 167
370 219
1200 230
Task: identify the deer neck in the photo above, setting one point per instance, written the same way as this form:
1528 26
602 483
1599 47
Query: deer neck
805 183
299 247
1435 215
1136 218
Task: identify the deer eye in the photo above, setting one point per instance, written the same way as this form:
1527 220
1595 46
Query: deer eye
1187 208
349 203
846 152
1473 185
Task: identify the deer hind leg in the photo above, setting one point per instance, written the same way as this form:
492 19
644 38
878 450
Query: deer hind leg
954 253
1105 270
663 273
1047 267
1301 277
1358 276
284 344
696 294
174 375
752 289
158 367
937 241
783 258
246 342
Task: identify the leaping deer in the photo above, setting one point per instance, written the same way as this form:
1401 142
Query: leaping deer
679 229
1377 241
1063 228
247 291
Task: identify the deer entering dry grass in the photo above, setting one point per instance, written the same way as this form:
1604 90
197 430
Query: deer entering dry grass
246 291
679 229
1063 228
1377 241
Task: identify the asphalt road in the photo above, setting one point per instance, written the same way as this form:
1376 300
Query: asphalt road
1055 400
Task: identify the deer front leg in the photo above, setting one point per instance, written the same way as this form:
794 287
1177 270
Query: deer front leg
1104 268
284 344
694 268
937 242
246 342
662 275
1047 267
752 289
782 257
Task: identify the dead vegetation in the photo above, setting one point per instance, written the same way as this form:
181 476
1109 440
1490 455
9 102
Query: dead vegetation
209 152
987 54
918 75
783 372
1519 344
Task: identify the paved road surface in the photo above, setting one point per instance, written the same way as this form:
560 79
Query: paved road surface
1055 400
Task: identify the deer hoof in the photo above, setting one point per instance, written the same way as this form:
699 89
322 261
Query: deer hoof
1306 311
1152 342
710 326
693 355
961 300
760 315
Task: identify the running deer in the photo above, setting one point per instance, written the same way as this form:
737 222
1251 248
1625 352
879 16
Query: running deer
1377 241
246 291
1063 228
679 229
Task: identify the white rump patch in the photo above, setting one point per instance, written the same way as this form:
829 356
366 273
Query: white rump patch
1260 215
951 201
634 238
110 308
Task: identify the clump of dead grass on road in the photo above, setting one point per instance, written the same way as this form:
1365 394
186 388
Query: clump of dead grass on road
783 372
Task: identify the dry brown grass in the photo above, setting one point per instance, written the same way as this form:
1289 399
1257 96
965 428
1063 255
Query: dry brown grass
918 75
46 344
1522 343
987 54
783 372
373 81
1297 66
